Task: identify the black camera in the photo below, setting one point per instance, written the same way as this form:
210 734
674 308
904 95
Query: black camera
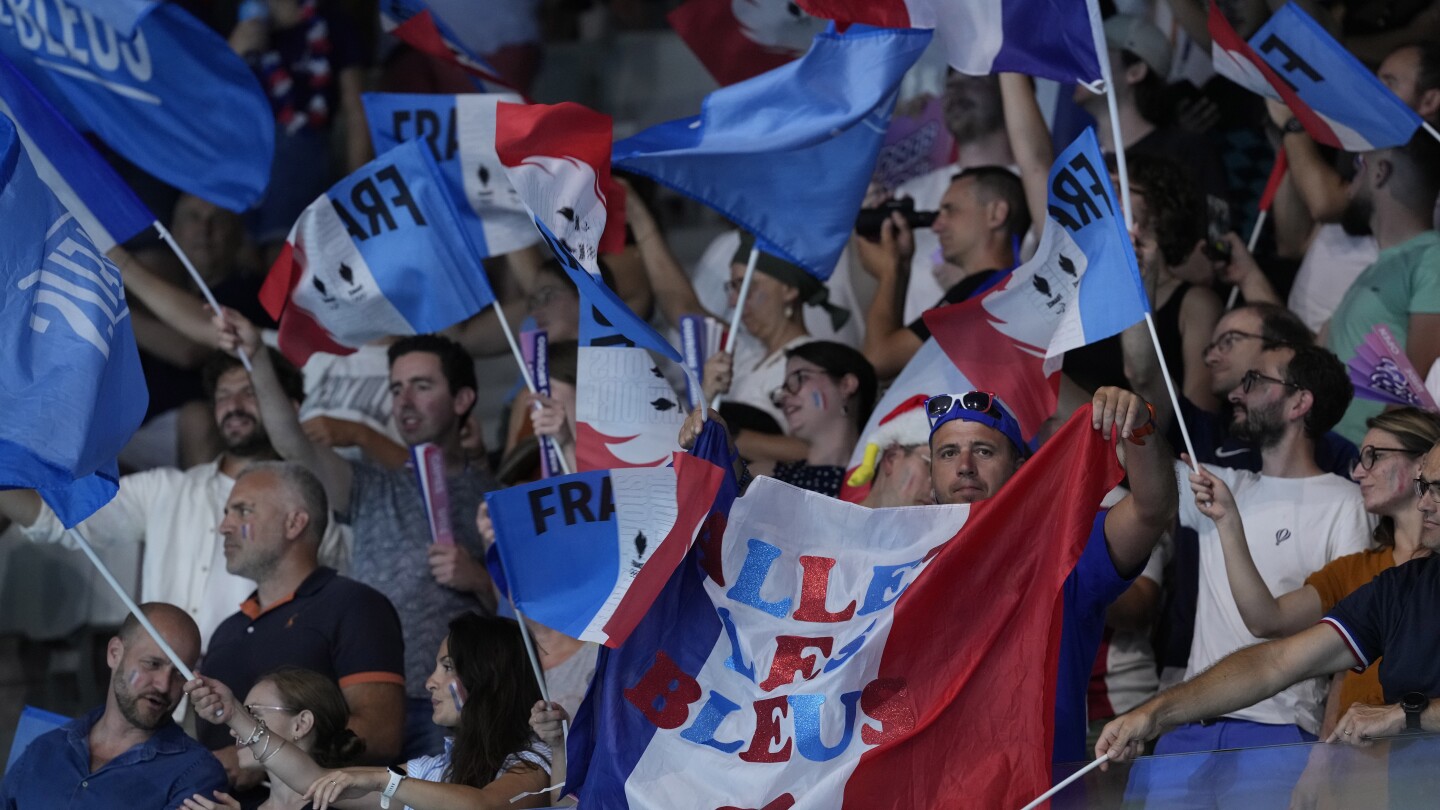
868 223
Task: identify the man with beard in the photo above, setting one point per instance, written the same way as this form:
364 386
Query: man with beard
175 512
1297 518
1393 193
301 614
128 753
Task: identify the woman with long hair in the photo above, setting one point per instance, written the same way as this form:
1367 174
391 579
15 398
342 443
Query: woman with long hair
481 690
308 709
1389 460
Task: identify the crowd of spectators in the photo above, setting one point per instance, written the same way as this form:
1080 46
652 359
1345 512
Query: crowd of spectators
287 550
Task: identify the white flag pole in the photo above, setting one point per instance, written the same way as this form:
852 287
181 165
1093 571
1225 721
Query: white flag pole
129 603
1102 53
1430 129
525 372
1250 246
535 664
199 282
734 333
1039 800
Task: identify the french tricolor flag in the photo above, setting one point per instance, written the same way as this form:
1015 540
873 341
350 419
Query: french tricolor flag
1292 59
416 24
795 661
381 253
739 39
1050 38
1082 285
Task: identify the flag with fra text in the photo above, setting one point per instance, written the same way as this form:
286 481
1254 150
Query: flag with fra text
1291 58
1048 38
71 387
586 553
1082 285
788 154
172 98
793 660
381 253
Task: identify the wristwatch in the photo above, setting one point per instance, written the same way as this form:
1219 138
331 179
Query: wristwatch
1414 704
1293 127
396 777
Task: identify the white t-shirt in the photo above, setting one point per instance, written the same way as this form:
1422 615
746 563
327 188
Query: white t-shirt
1331 264
1294 527
351 388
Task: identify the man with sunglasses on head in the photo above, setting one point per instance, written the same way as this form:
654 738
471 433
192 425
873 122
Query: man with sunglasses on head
1297 518
1391 616
976 446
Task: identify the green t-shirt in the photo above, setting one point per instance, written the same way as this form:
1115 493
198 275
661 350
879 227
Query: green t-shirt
1403 281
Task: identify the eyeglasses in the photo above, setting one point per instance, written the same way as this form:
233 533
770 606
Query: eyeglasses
1369 454
1422 486
1252 376
794 381
251 707
977 401
1226 341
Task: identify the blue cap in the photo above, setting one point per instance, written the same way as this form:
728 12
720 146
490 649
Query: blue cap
983 408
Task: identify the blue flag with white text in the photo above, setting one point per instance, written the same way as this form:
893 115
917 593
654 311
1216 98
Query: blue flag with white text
71 387
173 98
122 15
84 183
788 154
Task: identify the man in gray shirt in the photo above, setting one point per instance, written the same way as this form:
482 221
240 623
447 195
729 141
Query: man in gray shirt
432 381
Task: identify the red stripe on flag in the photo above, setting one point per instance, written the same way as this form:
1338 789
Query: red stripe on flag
1225 37
713 34
964 716
284 275
995 362
882 13
421 33
301 335
696 482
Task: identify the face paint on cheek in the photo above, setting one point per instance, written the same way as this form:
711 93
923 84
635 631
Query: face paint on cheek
819 399
134 679
244 531
455 695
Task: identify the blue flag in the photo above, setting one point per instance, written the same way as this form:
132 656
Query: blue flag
85 184
173 99
122 15
787 155
1359 111
71 387
460 132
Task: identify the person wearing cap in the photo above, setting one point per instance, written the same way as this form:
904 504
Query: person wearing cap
976 446
1140 59
896 465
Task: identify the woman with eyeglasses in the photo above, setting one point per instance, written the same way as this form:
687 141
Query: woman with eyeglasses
307 709
481 691
828 393
1389 462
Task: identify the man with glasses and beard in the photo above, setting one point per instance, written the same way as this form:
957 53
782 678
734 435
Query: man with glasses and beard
128 753
1297 518
175 512
976 446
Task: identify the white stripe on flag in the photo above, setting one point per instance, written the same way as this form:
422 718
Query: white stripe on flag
645 512
61 188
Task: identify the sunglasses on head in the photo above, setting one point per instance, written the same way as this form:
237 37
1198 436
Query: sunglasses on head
977 401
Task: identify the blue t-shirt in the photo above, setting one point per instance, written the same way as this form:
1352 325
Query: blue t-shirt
1393 615
161 772
1089 591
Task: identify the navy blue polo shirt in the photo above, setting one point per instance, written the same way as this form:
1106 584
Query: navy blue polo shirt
162 772
1393 615
332 625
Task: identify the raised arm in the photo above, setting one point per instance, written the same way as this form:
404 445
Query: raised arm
1134 525
671 287
889 344
1321 187
1029 143
1265 616
278 413
361 787
173 306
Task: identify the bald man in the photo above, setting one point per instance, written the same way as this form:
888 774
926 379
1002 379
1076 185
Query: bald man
128 753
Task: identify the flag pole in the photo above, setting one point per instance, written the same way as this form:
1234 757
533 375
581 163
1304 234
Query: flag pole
535 664
734 332
1250 246
525 372
1430 129
1039 800
199 282
130 603
1272 187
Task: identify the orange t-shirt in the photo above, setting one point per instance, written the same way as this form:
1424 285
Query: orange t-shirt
1335 582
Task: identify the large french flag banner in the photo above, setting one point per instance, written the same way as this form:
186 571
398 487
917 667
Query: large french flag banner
787 155
1048 38
381 253
460 131
172 97
1291 58
83 182
558 160
796 662
738 39
417 25
586 554
1082 285
71 387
